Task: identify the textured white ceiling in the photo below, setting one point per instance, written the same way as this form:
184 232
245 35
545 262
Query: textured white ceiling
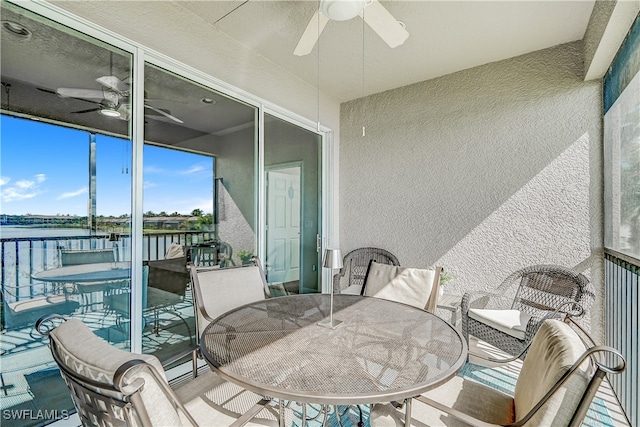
445 36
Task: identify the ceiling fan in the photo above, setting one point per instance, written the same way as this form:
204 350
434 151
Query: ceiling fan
376 16
112 99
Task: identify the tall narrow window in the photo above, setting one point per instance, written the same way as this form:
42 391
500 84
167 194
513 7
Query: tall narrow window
622 216
622 148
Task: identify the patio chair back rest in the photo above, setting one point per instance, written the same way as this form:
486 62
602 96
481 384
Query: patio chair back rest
355 265
110 386
558 380
418 287
92 256
553 352
218 290
547 287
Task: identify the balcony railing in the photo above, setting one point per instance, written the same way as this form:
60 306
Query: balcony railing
23 256
622 298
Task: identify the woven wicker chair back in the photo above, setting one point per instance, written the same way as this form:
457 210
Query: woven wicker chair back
547 287
355 264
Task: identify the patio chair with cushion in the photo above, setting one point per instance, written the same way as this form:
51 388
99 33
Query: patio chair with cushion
558 380
23 305
414 286
217 290
509 317
110 386
117 300
355 265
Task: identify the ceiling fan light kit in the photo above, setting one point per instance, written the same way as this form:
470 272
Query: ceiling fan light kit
109 112
392 31
341 10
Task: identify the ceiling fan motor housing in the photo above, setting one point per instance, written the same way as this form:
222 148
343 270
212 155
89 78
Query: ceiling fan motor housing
341 10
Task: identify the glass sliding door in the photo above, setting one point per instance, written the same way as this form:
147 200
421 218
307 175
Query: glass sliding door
293 189
199 198
65 201
66 190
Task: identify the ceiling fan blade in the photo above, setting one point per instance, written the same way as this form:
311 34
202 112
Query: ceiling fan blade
383 23
113 83
85 111
47 90
53 92
70 92
164 113
311 33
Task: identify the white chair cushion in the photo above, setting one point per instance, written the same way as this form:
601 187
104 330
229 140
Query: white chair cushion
176 250
511 322
410 286
554 349
352 290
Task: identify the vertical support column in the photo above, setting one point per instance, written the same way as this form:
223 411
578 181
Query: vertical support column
137 239
91 208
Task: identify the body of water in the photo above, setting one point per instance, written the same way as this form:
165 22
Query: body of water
17 231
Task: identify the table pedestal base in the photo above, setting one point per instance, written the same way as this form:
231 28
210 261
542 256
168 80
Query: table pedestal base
330 323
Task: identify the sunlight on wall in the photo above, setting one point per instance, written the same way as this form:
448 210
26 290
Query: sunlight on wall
543 222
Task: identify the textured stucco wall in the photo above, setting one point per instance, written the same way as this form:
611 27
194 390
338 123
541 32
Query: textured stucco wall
483 171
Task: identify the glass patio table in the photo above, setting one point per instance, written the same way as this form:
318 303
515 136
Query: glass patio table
382 351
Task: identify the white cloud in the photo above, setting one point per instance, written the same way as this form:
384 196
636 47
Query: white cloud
21 189
149 184
76 193
153 169
192 169
25 184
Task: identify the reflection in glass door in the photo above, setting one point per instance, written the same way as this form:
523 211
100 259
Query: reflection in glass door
199 199
283 217
293 207
65 204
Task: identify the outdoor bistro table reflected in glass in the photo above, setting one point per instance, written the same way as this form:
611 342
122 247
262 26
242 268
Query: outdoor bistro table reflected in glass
88 278
383 351
86 273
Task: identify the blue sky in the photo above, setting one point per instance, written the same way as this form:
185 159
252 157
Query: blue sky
44 170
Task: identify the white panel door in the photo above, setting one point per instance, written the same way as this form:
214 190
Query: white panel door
283 225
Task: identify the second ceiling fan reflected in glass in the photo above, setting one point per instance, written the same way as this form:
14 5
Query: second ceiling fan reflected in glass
113 99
